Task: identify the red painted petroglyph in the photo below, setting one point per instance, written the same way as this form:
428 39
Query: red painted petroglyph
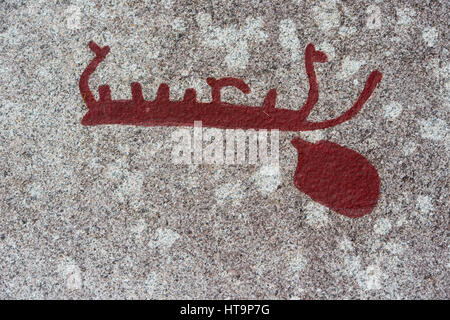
332 175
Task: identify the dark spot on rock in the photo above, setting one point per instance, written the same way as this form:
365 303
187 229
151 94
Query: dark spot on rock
407 179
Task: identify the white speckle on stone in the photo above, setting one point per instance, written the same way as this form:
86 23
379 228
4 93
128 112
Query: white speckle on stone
345 31
131 186
168 4
409 148
164 238
73 17
95 163
74 281
150 283
373 17
434 129
313 136
371 278
36 191
430 35
123 148
288 38
204 20
298 263
44 73
352 265
72 274
349 67
405 16
346 245
424 205
374 244
389 52
230 192
366 124
139 227
178 25
316 215
393 110
394 247
268 178
153 51
328 49
233 39
326 15
253 30
382 226
115 170
238 56
440 72
401 220
149 151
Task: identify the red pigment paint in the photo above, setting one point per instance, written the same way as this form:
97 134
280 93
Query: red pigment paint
337 177
352 196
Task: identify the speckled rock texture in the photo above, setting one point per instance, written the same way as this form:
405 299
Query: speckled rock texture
102 212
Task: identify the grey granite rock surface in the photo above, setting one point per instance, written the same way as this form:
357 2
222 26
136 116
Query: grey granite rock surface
102 212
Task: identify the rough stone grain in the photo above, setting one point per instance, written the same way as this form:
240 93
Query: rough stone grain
101 212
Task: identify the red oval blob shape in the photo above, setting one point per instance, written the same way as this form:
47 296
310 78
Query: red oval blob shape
336 177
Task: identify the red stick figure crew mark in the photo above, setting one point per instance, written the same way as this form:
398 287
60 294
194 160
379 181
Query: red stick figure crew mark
334 176
164 112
